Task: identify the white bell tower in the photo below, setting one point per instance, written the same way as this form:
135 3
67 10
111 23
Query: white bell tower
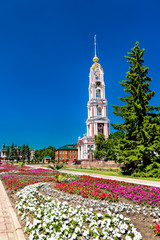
97 120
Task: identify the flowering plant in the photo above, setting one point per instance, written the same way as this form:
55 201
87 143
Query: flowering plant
57 220
14 183
140 194
157 229
85 191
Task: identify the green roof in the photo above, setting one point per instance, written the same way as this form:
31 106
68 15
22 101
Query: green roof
68 147
47 156
30 149
5 148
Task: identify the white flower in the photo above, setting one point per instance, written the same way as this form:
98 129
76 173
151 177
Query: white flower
36 221
74 236
99 215
128 238
86 233
77 230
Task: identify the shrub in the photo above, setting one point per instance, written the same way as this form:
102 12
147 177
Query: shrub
152 170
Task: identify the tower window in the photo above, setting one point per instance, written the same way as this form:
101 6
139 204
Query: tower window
98 93
100 128
99 111
98 84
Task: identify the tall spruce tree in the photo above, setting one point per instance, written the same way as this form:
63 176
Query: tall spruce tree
27 152
23 153
141 120
12 152
7 153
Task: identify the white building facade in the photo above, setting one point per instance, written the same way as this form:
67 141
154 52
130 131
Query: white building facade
97 111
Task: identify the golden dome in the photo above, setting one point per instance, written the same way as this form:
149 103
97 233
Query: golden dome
95 59
95 64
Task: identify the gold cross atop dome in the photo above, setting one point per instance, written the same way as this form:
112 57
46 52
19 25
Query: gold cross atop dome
95 59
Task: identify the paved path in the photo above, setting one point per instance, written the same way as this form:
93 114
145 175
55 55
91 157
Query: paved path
124 179
10 228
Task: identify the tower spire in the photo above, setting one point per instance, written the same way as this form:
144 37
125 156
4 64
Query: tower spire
95 45
95 59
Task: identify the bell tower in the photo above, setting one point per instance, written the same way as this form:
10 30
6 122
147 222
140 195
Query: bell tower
97 120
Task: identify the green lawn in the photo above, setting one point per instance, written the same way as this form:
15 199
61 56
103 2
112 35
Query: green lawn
117 174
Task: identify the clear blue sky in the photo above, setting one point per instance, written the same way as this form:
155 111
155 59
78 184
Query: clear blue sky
46 51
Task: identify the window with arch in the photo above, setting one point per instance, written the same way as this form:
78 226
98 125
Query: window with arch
98 93
99 111
100 128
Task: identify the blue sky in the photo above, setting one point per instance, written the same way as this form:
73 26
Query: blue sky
46 51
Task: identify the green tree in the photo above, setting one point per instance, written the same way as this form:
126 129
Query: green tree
23 152
12 152
141 120
100 150
112 143
27 152
7 153
40 154
36 154
16 155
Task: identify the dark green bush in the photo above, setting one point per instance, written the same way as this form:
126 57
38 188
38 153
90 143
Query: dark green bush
152 170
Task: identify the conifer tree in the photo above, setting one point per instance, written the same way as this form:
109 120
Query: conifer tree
141 120
16 155
12 152
28 154
23 152
7 153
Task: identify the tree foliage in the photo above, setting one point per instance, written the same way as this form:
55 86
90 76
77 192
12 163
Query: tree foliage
7 153
100 150
23 152
40 154
12 154
27 153
107 148
112 143
141 121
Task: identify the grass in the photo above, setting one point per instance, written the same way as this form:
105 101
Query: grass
117 174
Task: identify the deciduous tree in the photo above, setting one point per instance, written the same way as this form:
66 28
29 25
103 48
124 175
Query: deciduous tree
100 150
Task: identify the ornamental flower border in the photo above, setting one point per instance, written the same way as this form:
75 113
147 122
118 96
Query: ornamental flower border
137 193
53 220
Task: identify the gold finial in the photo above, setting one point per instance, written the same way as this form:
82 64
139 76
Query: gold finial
95 59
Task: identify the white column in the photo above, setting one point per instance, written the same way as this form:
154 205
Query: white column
90 129
94 92
105 130
82 152
79 153
95 111
104 92
105 111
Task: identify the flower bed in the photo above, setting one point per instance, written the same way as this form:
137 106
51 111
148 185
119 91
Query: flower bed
37 172
137 193
14 183
157 229
6 167
96 196
25 170
53 220
85 191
